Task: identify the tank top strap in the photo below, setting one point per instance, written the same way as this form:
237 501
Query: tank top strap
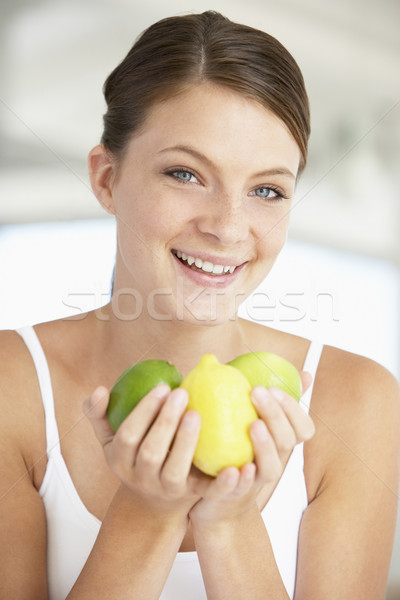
311 365
34 346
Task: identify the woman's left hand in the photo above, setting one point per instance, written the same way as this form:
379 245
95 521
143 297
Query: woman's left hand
281 425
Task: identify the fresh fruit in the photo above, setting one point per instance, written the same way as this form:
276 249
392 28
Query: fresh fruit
269 370
221 394
136 382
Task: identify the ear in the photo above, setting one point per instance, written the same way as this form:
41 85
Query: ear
101 172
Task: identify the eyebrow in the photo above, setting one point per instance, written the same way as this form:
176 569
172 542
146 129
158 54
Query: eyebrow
189 150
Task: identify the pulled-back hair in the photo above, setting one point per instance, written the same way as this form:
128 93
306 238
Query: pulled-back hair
178 52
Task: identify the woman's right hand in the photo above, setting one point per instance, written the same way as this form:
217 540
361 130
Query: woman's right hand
153 448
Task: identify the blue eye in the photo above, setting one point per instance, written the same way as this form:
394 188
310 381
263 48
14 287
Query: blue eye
267 192
183 176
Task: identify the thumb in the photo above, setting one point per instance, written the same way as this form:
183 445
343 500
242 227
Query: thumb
306 380
95 408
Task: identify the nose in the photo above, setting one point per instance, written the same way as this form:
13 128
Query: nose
225 220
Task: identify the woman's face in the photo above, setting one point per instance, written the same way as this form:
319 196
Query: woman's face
202 200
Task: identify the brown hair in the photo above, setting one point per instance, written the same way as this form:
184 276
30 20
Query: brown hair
177 52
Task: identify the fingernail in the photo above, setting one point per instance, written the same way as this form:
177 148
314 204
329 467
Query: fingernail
277 393
179 397
230 475
161 390
259 430
98 394
260 395
191 420
90 402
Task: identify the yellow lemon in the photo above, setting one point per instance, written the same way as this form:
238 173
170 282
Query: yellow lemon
221 394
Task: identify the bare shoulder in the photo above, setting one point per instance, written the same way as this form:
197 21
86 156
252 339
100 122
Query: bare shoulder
356 411
354 383
18 375
12 347
21 407
20 402
16 367
19 385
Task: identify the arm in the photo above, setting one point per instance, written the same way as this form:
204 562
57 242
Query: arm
22 530
148 517
237 560
346 536
22 518
144 525
347 531
133 553
234 549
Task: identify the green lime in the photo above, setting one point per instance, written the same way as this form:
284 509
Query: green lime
135 383
269 370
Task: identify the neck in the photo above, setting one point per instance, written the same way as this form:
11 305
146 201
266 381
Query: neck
128 341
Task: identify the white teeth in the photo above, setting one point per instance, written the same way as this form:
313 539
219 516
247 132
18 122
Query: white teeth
206 265
218 269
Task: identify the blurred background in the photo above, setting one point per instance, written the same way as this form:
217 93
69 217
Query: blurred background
337 279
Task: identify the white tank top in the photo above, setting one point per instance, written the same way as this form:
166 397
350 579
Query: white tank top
72 529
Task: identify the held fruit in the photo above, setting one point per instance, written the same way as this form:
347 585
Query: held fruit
135 383
221 394
269 370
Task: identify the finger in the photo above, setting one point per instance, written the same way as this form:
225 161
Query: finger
133 429
271 412
268 462
179 461
225 482
301 422
95 408
306 381
155 446
246 479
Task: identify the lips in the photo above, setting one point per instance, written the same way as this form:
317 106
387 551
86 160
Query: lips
205 272
196 263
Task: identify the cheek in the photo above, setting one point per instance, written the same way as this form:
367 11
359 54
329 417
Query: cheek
150 208
272 235
145 226
136 231
136 214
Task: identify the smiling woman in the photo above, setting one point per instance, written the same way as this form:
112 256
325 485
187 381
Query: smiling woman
205 136
234 192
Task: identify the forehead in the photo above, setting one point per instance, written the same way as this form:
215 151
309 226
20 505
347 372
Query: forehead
221 123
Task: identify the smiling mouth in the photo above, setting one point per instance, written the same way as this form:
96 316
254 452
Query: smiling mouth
203 266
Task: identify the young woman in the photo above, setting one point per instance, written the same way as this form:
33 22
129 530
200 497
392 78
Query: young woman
205 137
